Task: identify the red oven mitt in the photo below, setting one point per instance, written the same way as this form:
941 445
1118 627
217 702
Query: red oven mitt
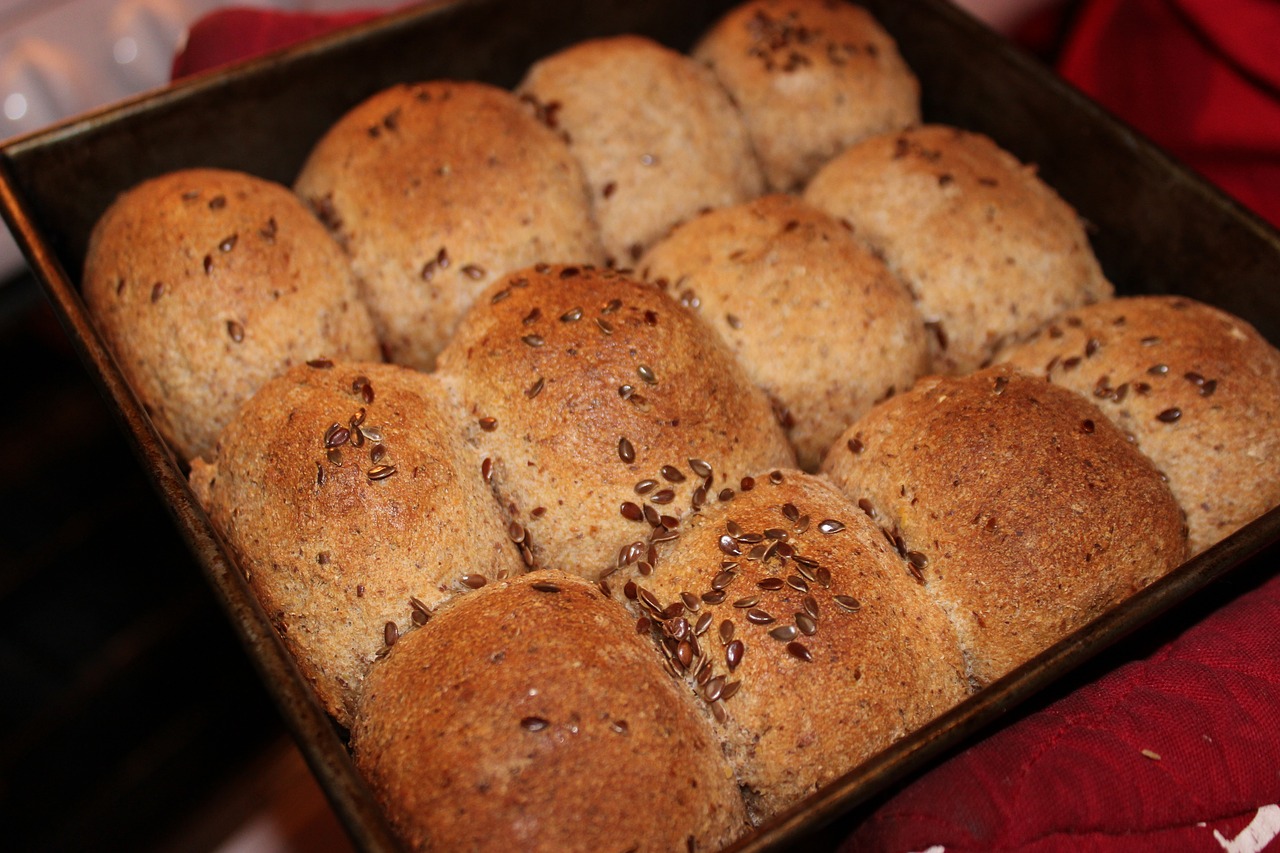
1180 751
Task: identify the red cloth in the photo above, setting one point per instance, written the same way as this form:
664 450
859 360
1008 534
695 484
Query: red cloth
1074 776
1200 77
232 34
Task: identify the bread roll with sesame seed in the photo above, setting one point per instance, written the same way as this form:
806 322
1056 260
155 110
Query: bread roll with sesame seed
576 385
531 716
1024 511
353 511
205 283
815 318
1196 388
802 631
435 190
811 78
989 251
656 134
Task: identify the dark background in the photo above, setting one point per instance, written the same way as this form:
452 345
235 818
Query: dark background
128 704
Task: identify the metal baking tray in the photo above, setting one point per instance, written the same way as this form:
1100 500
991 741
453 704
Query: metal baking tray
1156 228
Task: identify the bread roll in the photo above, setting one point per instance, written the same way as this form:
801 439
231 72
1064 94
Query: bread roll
578 385
815 318
989 251
206 283
353 512
530 716
811 78
436 189
804 633
656 134
1196 388
1023 510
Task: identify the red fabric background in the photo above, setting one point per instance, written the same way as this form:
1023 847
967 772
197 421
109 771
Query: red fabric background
1201 78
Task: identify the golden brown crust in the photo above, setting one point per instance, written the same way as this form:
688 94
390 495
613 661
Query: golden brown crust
436 189
1198 389
656 134
339 529
811 78
816 320
989 251
556 368
1026 513
206 283
530 716
800 609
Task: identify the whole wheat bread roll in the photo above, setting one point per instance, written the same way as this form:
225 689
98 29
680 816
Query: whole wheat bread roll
530 716
1198 389
602 412
989 251
1023 511
205 284
811 78
436 189
802 631
656 134
816 319
353 511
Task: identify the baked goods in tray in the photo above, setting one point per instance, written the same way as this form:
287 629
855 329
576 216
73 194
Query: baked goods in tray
205 284
812 77
1019 506
352 513
584 426
989 251
814 317
1197 389
603 411
435 190
531 716
658 137
802 631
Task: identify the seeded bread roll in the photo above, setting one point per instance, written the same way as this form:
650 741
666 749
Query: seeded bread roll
804 633
353 512
811 78
436 189
1021 508
817 320
988 250
656 134
530 716
1198 389
579 384
205 284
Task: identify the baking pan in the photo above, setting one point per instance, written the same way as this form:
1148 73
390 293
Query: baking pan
1156 229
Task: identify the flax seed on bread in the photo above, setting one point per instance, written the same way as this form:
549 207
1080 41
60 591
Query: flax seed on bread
1022 509
206 283
353 510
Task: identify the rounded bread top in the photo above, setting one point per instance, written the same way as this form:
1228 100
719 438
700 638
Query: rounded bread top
1023 510
435 189
801 629
205 283
816 319
989 251
351 506
655 132
811 78
530 716
1196 388
577 385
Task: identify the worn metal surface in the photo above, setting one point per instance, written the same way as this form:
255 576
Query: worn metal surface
1157 229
